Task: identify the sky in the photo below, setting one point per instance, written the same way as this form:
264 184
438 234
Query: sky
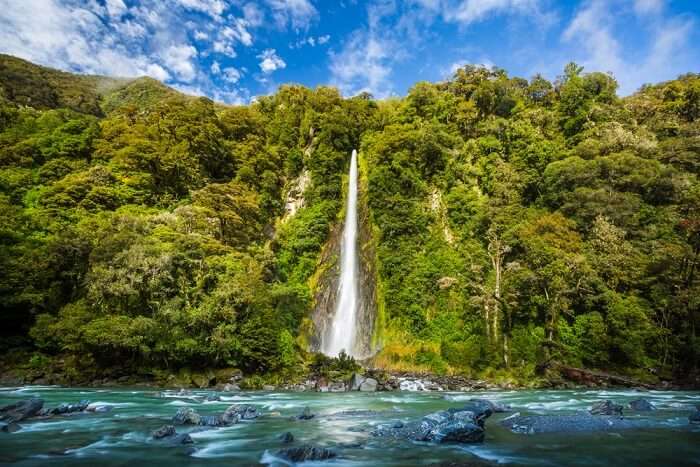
234 50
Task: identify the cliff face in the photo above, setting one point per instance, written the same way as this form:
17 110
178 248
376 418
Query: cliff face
326 283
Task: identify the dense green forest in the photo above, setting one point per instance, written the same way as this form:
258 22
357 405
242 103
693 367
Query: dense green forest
516 222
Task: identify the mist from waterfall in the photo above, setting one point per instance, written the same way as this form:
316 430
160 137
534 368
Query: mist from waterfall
342 334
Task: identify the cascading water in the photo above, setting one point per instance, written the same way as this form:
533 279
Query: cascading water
342 333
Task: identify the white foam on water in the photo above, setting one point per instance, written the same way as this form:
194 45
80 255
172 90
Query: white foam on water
180 403
223 432
235 398
227 448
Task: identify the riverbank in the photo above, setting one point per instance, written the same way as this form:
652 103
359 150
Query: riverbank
364 380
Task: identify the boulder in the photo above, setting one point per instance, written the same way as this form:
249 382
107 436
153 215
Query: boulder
306 453
606 408
355 382
66 408
10 427
695 416
369 385
231 387
213 420
240 412
98 408
534 424
182 438
21 410
337 386
286 437
268 387
305 414
456 425
494 406
164 432
187 416
641 405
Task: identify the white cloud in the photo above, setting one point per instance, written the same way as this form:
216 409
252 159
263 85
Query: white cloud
363 64
648 7
231 75
178 58
116 8
298 13
592 31
213 8
470 11
158 72
270 61
253 15
323 39
215 68
201 35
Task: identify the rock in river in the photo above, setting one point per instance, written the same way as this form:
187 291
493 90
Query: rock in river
164 431
305 414
534 424
641 405
606 408
187 416
306 453
286 437
458 425
21 410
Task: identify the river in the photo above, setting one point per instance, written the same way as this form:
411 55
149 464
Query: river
121 437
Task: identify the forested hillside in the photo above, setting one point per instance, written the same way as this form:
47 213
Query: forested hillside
516 222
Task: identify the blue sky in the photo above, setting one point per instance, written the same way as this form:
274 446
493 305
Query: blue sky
233 50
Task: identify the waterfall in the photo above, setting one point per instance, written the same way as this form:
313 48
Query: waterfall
342 334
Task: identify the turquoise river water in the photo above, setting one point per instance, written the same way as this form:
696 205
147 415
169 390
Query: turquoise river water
121 437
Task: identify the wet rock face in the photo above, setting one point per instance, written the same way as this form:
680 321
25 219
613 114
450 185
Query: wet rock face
641 405
21 410
461 425
187 416
163 432
306 453
327 288
606 408
535 424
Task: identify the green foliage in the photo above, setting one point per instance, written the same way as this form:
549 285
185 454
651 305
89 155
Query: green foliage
514 222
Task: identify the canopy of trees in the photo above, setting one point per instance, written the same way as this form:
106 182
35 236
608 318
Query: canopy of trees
516 221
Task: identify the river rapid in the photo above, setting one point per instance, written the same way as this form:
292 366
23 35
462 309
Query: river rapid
342 422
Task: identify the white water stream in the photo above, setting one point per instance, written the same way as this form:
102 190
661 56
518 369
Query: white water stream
342 333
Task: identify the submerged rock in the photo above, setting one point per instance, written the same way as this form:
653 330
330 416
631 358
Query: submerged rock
534 424
21 410
695 417
169 434
641 405
98 408
212 398
306 453
606 408
494 406
286 437
10 427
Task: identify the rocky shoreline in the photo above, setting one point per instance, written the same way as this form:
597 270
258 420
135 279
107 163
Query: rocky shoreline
368 380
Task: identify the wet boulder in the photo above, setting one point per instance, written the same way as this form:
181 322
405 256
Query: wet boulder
164 432
695 416
21 410
10 427
494 406
187 416
286 437
456 425
306 453
641 405
535 424
212 420
234 413
98 408
305 414
369 385
606 408
65 408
